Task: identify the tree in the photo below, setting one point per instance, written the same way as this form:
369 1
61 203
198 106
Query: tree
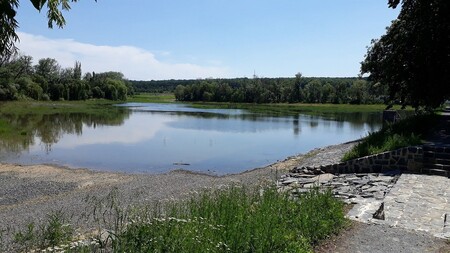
8 22
358 92
412 58
77 71
295 95
313 91
49 69
179 92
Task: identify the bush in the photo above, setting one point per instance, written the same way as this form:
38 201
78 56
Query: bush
407 132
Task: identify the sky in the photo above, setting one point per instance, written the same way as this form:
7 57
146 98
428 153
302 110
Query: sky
179 39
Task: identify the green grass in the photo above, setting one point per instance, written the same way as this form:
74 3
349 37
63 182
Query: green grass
55 231
280 108
234 219
294 109
407 132
152 98
50 107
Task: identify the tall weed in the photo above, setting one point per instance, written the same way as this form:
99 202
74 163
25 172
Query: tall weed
236 220
407 132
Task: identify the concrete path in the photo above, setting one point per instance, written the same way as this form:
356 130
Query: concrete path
421 203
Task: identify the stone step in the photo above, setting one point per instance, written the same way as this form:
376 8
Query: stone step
438 149
438 155
437 172
429 160
438 166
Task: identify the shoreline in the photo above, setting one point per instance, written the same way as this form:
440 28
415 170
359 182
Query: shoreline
30 192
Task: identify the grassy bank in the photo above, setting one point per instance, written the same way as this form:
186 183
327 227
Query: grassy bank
287 109
91 106
152 98
235 219
50 107
280 108
407 132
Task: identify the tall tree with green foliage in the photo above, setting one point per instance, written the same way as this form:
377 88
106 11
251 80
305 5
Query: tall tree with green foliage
412 58
9 24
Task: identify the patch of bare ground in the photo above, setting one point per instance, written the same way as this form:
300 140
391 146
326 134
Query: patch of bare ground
380 238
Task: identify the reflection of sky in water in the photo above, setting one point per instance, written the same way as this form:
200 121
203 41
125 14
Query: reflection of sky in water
155 137
178 108
137 129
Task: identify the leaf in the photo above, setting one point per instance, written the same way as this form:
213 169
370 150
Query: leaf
393 3
38 4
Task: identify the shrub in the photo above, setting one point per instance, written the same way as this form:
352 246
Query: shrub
407 132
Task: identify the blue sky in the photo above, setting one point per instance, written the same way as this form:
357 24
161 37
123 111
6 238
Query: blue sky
179 39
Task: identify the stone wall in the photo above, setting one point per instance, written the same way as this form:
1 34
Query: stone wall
404 159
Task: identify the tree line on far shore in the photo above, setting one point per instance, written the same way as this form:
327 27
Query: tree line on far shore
47 80
278 90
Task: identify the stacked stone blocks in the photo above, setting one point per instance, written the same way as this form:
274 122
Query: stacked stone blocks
404 159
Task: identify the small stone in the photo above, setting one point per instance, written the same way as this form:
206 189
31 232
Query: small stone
289 181
365 187
306 180
324 178
361 182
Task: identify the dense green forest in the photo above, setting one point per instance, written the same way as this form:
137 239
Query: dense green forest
270 90
20 79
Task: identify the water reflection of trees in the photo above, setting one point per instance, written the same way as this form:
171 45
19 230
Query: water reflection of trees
356 121
49 128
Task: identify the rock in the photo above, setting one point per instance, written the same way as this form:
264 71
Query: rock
318 171
306 180
288 181
365 187
352 178
306 176
343 189
376 189
311 185
346 195
338 184
324 178
361 182
379 183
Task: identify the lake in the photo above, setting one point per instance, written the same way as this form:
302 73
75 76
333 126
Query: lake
156 138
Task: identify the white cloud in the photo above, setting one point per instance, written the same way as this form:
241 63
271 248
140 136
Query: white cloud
135 63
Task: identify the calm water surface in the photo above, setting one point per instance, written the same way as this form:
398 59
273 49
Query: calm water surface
156 138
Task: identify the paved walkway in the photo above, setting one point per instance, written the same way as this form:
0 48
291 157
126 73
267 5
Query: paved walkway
420 202
417 202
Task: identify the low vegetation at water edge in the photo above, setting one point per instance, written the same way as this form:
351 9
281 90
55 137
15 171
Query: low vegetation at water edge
407 132
234 219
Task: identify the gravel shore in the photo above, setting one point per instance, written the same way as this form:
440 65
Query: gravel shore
29 193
